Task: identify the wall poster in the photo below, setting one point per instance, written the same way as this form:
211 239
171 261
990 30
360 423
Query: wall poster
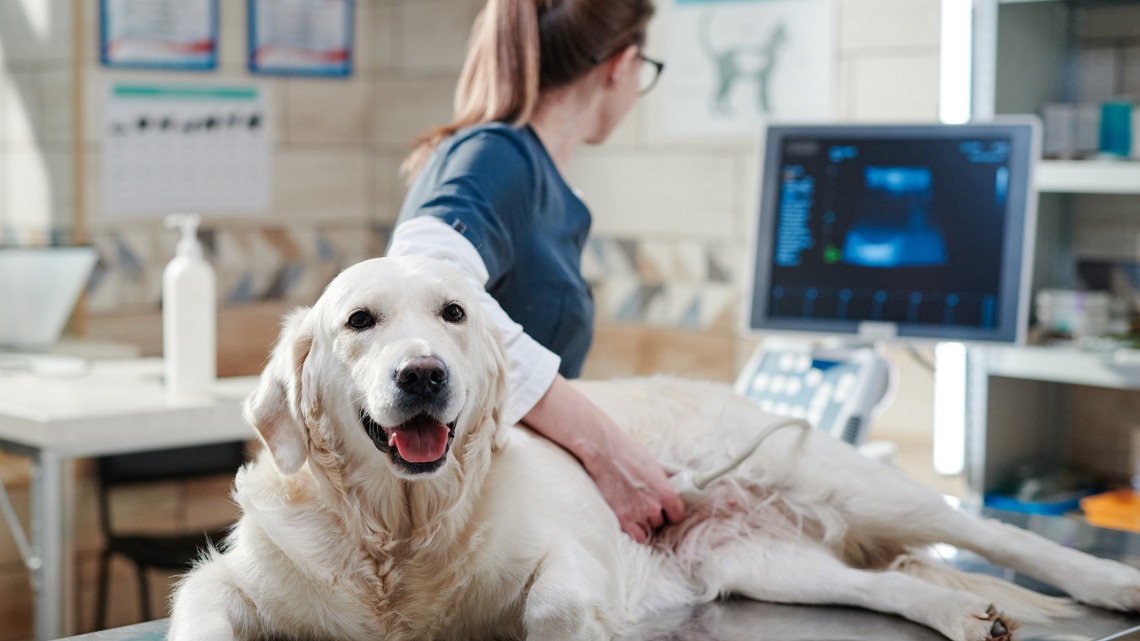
159 34
300 37
736 65
186 147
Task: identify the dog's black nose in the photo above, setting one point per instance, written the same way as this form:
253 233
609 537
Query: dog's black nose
423 376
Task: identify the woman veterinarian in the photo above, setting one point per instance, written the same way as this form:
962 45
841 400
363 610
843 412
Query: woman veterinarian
488 198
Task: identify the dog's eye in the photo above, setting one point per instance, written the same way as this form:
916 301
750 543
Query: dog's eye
454 313
361 320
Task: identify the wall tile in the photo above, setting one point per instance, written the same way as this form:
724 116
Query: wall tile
657 194
435 34
327 111
382 37
233 36
388 188
901 88
405 109
320 185
16 604
34 188
21 107
56 125
21 503
35 32
881 24
208 504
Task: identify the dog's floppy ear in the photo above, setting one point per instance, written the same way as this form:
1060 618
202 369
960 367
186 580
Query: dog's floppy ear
274 407
498 385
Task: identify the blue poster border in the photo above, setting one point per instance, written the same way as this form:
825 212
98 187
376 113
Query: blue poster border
343 71
210 64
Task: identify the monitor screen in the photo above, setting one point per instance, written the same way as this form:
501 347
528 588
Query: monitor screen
923 227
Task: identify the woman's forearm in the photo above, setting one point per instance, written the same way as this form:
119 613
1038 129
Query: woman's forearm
628 476
565 416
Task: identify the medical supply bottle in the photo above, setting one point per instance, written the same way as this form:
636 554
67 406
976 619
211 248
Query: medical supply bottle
189 314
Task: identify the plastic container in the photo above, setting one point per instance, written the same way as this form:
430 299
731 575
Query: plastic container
1117 510
189 314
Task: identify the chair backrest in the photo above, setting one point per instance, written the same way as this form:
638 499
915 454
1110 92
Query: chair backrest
166 465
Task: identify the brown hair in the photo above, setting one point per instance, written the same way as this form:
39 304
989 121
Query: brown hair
521 47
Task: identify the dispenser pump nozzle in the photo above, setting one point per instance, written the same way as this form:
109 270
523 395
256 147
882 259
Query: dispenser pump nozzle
188 245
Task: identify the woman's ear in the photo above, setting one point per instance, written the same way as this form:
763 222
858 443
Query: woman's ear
274 407
623 64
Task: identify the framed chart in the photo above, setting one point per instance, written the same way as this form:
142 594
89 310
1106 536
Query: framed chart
301 37
159 34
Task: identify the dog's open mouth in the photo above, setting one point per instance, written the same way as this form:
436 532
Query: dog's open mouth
419 444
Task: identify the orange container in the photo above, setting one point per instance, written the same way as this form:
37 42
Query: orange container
1117 510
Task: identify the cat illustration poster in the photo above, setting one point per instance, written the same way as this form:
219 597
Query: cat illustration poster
736 65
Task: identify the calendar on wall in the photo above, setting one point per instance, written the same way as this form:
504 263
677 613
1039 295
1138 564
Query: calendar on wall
186 147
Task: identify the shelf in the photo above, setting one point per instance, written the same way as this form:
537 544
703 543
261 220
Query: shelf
1120 370
1089 176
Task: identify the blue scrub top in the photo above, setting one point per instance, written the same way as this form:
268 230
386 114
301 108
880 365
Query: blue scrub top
496 185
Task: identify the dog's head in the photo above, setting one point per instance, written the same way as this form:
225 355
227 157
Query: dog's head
392 366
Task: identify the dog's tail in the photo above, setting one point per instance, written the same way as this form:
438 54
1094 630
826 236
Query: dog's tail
1017 602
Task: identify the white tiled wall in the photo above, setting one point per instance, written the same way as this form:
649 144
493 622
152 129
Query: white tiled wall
339 142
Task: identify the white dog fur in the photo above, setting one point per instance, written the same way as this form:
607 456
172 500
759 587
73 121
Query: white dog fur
510 538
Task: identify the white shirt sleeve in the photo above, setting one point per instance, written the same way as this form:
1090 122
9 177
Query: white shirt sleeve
532 367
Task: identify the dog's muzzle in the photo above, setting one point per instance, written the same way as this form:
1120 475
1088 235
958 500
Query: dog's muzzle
418 445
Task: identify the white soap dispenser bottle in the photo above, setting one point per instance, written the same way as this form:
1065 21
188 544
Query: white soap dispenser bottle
189 314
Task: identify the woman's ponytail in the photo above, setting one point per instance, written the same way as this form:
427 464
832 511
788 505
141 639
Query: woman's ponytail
500 79
521 47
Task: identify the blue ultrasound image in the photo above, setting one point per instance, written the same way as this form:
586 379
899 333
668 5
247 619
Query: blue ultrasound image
903 231
894 227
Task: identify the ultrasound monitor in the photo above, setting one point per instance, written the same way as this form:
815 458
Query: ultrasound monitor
919 231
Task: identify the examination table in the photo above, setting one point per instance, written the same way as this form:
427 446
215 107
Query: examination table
744 620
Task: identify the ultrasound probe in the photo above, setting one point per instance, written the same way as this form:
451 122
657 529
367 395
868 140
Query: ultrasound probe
692 485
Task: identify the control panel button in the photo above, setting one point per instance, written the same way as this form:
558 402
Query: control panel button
798 411
778 383
782 409
822 396
814 377
844 386
787 362
794 386
760 382
803 363
767 406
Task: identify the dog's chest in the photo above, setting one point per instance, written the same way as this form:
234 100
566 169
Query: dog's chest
466 594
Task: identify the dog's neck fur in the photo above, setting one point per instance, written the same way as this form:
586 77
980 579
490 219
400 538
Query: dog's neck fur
425 518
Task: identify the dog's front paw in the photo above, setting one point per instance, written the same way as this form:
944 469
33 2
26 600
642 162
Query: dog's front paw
570 619
1108 584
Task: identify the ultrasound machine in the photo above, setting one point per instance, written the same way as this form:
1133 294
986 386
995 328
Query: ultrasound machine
875 234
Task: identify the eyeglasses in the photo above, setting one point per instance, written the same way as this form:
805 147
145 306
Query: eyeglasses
649 74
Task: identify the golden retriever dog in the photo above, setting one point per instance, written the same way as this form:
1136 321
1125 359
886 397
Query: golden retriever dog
391 502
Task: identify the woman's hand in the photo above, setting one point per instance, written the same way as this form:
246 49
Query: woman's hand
630 479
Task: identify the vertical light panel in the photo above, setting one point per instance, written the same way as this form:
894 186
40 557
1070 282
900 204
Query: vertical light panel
955 61
950 408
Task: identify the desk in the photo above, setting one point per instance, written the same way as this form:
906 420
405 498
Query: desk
119 407
739 619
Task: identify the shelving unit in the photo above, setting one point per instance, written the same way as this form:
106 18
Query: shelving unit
1088 176
1018 400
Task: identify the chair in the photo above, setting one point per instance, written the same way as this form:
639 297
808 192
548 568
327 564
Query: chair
167 552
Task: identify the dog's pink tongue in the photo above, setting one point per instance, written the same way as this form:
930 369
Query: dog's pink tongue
422 444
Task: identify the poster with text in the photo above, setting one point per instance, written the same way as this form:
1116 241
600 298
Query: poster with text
300 37
159 34
736 65
185 147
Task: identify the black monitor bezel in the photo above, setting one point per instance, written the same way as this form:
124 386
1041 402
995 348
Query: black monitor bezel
1017 255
